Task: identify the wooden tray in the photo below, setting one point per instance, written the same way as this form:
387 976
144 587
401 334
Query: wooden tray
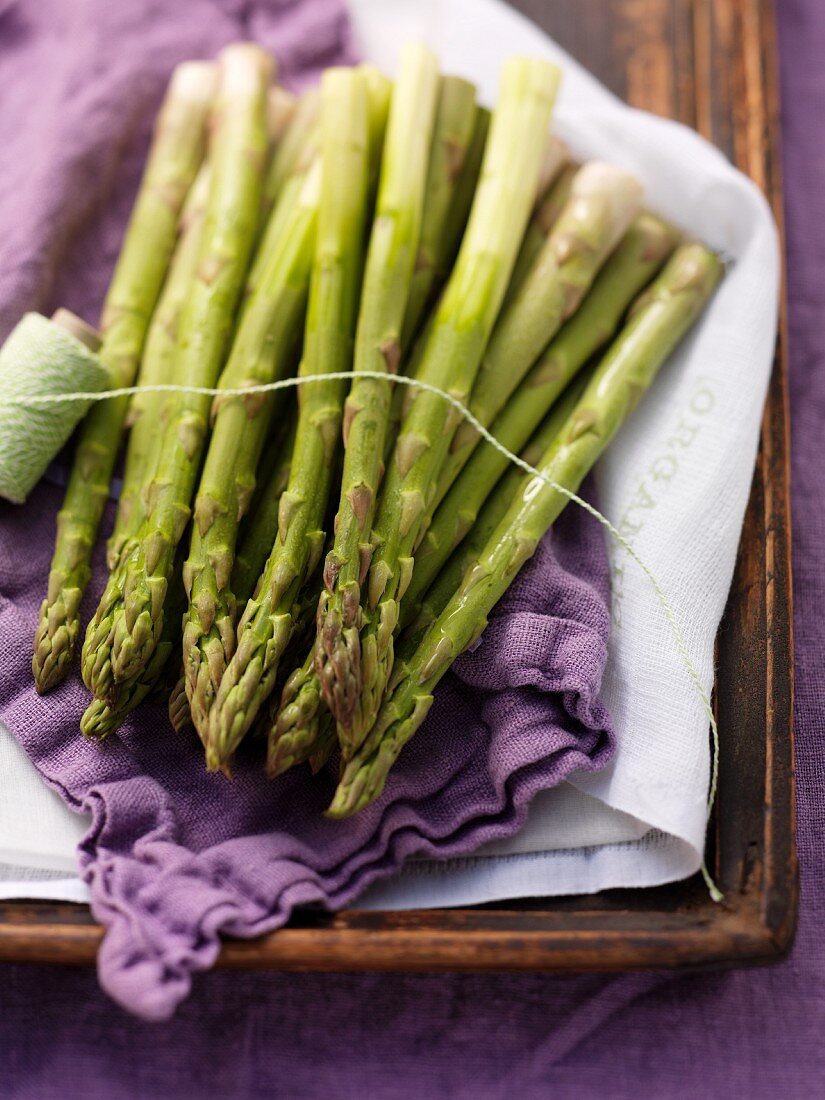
711 64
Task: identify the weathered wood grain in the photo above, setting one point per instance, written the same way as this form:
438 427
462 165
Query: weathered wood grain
712 65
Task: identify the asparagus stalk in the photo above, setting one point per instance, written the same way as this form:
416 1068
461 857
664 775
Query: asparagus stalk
101 720
267 623
391 256
444 255
379 94
281 106
462 200
603 202
146 411
453 133
448 580
278 219
179 713
174 157
127 624
258 536
556 157
658 322
325 744
544 217
290 151
296 723
643 251
264 350
450 359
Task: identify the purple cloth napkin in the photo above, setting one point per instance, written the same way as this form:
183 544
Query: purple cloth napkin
176 856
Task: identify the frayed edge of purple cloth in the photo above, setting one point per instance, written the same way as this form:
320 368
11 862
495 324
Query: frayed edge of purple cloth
149 975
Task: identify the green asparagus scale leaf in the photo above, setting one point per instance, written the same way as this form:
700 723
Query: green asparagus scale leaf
179 714
657 323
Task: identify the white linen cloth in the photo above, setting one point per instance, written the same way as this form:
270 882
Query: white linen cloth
675 482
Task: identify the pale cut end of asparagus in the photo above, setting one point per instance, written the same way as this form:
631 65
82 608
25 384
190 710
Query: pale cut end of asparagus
620 193
523 81
242 66
193 82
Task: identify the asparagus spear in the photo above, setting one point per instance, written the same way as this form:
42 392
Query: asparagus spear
644 249
603 202
544 217
278 219
267 623
258 536
264 349
127 624
325 744
281 106
657 323
462 200
448 580
147 410
296 723
379 93
455 222
387 278
450 359
174 158
556 158
290 151
453 132
179 713
101 720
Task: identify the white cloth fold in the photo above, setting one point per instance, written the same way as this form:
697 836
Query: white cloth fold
675 482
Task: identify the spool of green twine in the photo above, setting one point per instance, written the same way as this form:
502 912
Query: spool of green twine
43 357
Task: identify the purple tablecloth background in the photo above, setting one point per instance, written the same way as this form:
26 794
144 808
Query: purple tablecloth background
748 1033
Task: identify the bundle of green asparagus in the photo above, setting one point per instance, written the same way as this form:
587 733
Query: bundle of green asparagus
307 563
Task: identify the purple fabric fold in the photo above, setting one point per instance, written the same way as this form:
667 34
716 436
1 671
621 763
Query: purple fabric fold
176 857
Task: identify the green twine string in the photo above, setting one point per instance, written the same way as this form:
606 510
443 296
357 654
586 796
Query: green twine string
28 401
